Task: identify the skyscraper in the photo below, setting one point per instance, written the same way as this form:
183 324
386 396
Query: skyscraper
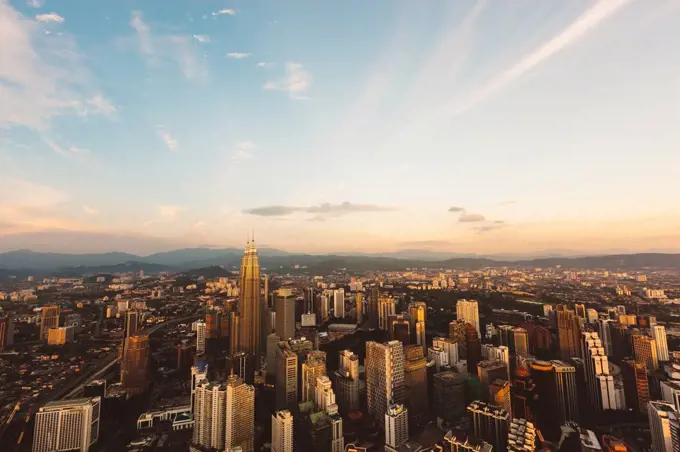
67 425
415 381
240 415
565 391
210 415
468 311
360 307
522 436
339 303
386 308
417 311
201 336
384 377
286 377
499 394
663 422
457 334
605 336
282 431
644 350
568 333
373 306
346 382
134 370
396 427
132 322
506 336
450 347
313 368
285 314
48 319
600 385
474 348
249 302
523 394
199 373
521 342
6 332
449 396
500 353
490 423
488 371
272 347
399 326
659 335
635 385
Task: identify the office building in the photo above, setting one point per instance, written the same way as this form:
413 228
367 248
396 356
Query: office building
418 315
235 333
324 307
663 425
635 385
490 423
522 436
488 371
440 358
557 401
568 333
272 347
399 328
241 364
644 350
386 308
659 335
282 431
346 382
605 336
468 312
457 334
67 425
201 336
506 336
499 394
313 368
523 394
415 381
459 441
521 338
309 298
580 310
240 414
396 427
6 332
474 348
49 319
249 302
670 392
600 385
384 367
339 303
210 415
284 303
591 315
134 369
359 300
565 391
60 335
373 306
500 353
132 322
324 396
337 438
286 377
449 346
449 396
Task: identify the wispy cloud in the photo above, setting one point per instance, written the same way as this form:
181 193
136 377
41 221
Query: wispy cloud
489 227
98 104
49 17
168 139
296 82
243 150
159 48
225 12
471 218
90 210
509 202
68 152
202 38
456 209
319 211
35 3
264 64
238 55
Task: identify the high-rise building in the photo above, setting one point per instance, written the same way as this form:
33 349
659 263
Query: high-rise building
621 343
386 308
282 431
460 441
490 423
605 336
565 391
635 385
556 402
449 396
659 335
346 382
339 303
286 377
309 299
201 336
523 394
134 370
670 392
240 414
313 368
418 314
241 364
49 319
359 298
415 381
272 347
199 373
324 307
396 427
399 327
449 346
337 438
468 311
439 357
67 425
663 422
285 314
324 396
210 415
6 332
600 385
506 336
373 306
61 335
474 348
591 315
132 321
249 302
644 350
499 394
522 436
521 342
488 371
568 333
500 353
384 377
580 310
234 333
457 334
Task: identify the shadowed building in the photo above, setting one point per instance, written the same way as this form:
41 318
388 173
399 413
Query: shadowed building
457 334
415 381
474 348
569 333
134 370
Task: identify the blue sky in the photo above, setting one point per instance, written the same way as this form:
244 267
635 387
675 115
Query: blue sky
479 127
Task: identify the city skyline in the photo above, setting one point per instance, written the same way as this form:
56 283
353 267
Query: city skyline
135 128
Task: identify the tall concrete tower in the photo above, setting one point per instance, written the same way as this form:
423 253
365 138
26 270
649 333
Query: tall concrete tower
249 302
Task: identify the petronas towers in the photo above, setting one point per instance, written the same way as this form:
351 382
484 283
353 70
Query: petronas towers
249 305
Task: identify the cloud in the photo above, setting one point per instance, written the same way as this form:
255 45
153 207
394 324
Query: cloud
456 209
100 105
225 12
499 222
50 17
202 38
35 3
587 22
163 48
488 228
70 152
238 55
264 64
507 203
471 218
319 211
296 82
244 150
170 211
90 210
169 141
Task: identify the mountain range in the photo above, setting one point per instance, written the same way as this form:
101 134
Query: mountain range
192 258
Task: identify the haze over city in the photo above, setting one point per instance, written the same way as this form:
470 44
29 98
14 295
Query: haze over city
471 127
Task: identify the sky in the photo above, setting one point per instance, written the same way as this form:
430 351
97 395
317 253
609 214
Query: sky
483 127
